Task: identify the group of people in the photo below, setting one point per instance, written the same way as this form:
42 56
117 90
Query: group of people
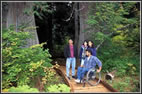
87 57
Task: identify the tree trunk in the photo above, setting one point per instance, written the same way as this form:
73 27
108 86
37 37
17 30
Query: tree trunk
76 13
14 15
83 12
84 33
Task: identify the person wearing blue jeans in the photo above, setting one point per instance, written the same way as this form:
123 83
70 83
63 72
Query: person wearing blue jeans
70 52
90 62
82 53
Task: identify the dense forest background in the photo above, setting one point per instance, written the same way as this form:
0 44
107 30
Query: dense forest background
113 26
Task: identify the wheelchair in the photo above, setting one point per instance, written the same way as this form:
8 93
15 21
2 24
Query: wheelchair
92 77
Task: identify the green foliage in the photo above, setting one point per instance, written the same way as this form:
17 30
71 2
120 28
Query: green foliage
100 37
21 64
24 89
38 9
125 83
111 20
59 48
121 86
49 77
136 84
116 58
58 88
105 17
116 28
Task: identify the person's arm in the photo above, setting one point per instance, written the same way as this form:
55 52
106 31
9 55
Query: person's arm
99 63
75 51
100 68
80 54
95 52
65 51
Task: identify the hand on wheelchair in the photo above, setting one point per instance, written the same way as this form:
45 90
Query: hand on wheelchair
98 70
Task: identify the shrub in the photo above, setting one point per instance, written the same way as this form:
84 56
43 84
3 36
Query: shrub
58 88
24 88
49 78
20 64
117 57
121 86
136 84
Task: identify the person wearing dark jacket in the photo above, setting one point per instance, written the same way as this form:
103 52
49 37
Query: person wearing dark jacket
70 53
91 47
82 54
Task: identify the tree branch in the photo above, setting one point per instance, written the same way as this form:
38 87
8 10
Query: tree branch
99 45
73 12
80 9
70 14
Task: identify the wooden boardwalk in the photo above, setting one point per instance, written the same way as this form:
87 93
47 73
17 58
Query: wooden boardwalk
78 88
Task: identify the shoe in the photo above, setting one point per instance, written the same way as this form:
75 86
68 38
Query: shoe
74 77
78 81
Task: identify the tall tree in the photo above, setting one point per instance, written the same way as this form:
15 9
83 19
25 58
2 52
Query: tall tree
82 12
76 13
13 14
112 19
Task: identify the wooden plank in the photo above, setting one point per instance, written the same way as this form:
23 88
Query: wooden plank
101 87
91 91
90 87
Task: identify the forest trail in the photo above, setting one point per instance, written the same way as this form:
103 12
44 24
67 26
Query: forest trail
78 88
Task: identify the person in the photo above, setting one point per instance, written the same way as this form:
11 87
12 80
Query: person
82 54
70 53
90 62
91 47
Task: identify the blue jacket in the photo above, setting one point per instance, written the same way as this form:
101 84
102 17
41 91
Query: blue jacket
81 51
93 51
91 63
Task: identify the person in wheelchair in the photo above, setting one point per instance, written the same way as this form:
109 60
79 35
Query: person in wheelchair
89 62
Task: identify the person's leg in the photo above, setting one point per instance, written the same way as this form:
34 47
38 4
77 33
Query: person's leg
68 61
82 62
84 70
73 66
79 72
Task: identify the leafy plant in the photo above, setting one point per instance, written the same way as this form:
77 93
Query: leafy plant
111 19
21 64
121 86
24 88
58 88
38 9
136 84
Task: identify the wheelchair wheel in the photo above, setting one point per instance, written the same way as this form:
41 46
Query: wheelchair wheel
93 78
